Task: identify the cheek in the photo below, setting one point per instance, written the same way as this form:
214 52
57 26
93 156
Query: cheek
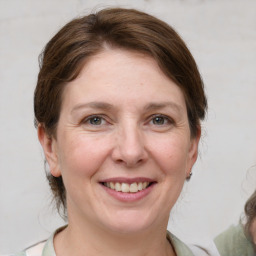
82 156
171 154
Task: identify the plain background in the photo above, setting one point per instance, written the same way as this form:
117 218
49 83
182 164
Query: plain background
221 35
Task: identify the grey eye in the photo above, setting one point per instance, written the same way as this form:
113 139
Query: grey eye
159 120
96 120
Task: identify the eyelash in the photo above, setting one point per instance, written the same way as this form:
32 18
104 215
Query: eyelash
167 120
90 118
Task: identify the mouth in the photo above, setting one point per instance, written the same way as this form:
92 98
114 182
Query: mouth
128 187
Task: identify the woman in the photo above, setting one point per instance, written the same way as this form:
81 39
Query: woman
240 240
118 105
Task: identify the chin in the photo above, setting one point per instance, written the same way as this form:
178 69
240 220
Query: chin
130 223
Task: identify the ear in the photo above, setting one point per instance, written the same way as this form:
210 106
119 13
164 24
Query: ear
193 151
49 146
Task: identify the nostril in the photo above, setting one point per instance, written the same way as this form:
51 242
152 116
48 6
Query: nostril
120 161
128 159
129 152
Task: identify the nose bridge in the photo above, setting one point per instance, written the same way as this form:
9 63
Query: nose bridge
130 148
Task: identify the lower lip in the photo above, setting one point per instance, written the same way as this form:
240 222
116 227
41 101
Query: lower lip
129 197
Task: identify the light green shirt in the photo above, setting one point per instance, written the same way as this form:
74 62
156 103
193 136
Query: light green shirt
233 242
181 249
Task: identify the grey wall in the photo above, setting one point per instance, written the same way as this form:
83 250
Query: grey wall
222 36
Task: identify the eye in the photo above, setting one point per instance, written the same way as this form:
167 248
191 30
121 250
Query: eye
161 120
94 120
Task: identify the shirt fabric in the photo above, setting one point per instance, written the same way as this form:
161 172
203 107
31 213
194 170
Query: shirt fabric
46 248
233 242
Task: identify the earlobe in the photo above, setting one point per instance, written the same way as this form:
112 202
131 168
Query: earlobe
48 144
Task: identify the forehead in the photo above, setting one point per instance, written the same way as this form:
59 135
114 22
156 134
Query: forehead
127 75
113 59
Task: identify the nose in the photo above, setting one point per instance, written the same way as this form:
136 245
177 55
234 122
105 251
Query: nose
130 146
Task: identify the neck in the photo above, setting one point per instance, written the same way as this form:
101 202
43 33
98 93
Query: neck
87 240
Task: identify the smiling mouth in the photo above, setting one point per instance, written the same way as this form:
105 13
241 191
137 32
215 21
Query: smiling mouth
127 188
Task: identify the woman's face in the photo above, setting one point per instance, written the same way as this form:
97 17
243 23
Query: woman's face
123 144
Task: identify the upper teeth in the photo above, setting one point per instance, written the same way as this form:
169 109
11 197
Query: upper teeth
125 187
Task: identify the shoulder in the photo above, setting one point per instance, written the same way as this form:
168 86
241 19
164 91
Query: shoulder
207 248
34 250
233 242
44 248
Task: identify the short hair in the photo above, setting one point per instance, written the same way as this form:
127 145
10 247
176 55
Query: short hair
67 52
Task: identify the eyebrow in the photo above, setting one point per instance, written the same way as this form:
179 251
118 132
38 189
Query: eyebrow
156 106
96 105
106 106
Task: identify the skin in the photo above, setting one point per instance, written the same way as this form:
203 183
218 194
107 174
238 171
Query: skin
253 231
141 130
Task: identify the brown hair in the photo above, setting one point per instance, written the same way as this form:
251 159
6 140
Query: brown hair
250 212
66 53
